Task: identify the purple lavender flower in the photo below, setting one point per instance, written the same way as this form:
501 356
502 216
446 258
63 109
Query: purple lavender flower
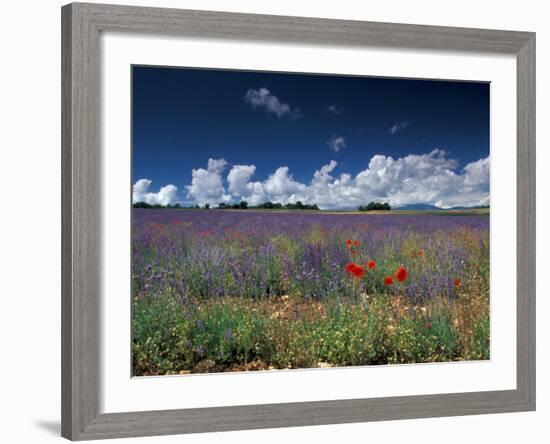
255 254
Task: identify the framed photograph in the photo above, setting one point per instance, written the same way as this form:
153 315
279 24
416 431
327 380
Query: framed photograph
283 221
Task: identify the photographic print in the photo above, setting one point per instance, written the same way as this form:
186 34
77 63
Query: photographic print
284 221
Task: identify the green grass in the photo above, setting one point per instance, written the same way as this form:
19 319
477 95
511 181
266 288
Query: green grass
241 334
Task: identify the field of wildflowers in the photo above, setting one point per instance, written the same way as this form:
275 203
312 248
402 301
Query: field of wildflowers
220 290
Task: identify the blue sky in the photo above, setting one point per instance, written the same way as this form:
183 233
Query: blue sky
268 134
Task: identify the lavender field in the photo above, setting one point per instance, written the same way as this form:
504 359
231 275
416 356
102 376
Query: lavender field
223 290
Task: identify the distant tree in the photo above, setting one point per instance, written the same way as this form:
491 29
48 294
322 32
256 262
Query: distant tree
206 206
301 206
375 206
243 204
157 206
222 206
141 205
197 206
288 206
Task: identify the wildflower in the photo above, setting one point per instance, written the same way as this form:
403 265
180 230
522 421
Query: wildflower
355 270
429 325
401 274
228 334
356 243
458 282
371 265
348 242
388 280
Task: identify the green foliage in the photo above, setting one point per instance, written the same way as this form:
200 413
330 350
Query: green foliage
300 206
175 336
375 206
160 330
146 205
270 205
242 205
155 206
289 206
479 344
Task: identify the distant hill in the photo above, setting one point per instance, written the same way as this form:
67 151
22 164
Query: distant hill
477 207
419 207
428 207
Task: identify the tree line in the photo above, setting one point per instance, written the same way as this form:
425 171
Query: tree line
289 206
375 206
242 205
146 205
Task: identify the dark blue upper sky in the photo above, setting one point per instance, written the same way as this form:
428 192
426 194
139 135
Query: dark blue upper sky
182 117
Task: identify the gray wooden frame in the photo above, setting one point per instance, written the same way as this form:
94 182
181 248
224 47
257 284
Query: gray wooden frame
81 168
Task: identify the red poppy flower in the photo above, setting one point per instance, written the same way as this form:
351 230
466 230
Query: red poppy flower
458 282
401 274
348 242
355 270
388 280
371 265
356 243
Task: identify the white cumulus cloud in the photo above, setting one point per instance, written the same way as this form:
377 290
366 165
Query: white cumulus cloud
207 184
280 186
167 195
263 98
477 173
431 178
336 143
239 179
